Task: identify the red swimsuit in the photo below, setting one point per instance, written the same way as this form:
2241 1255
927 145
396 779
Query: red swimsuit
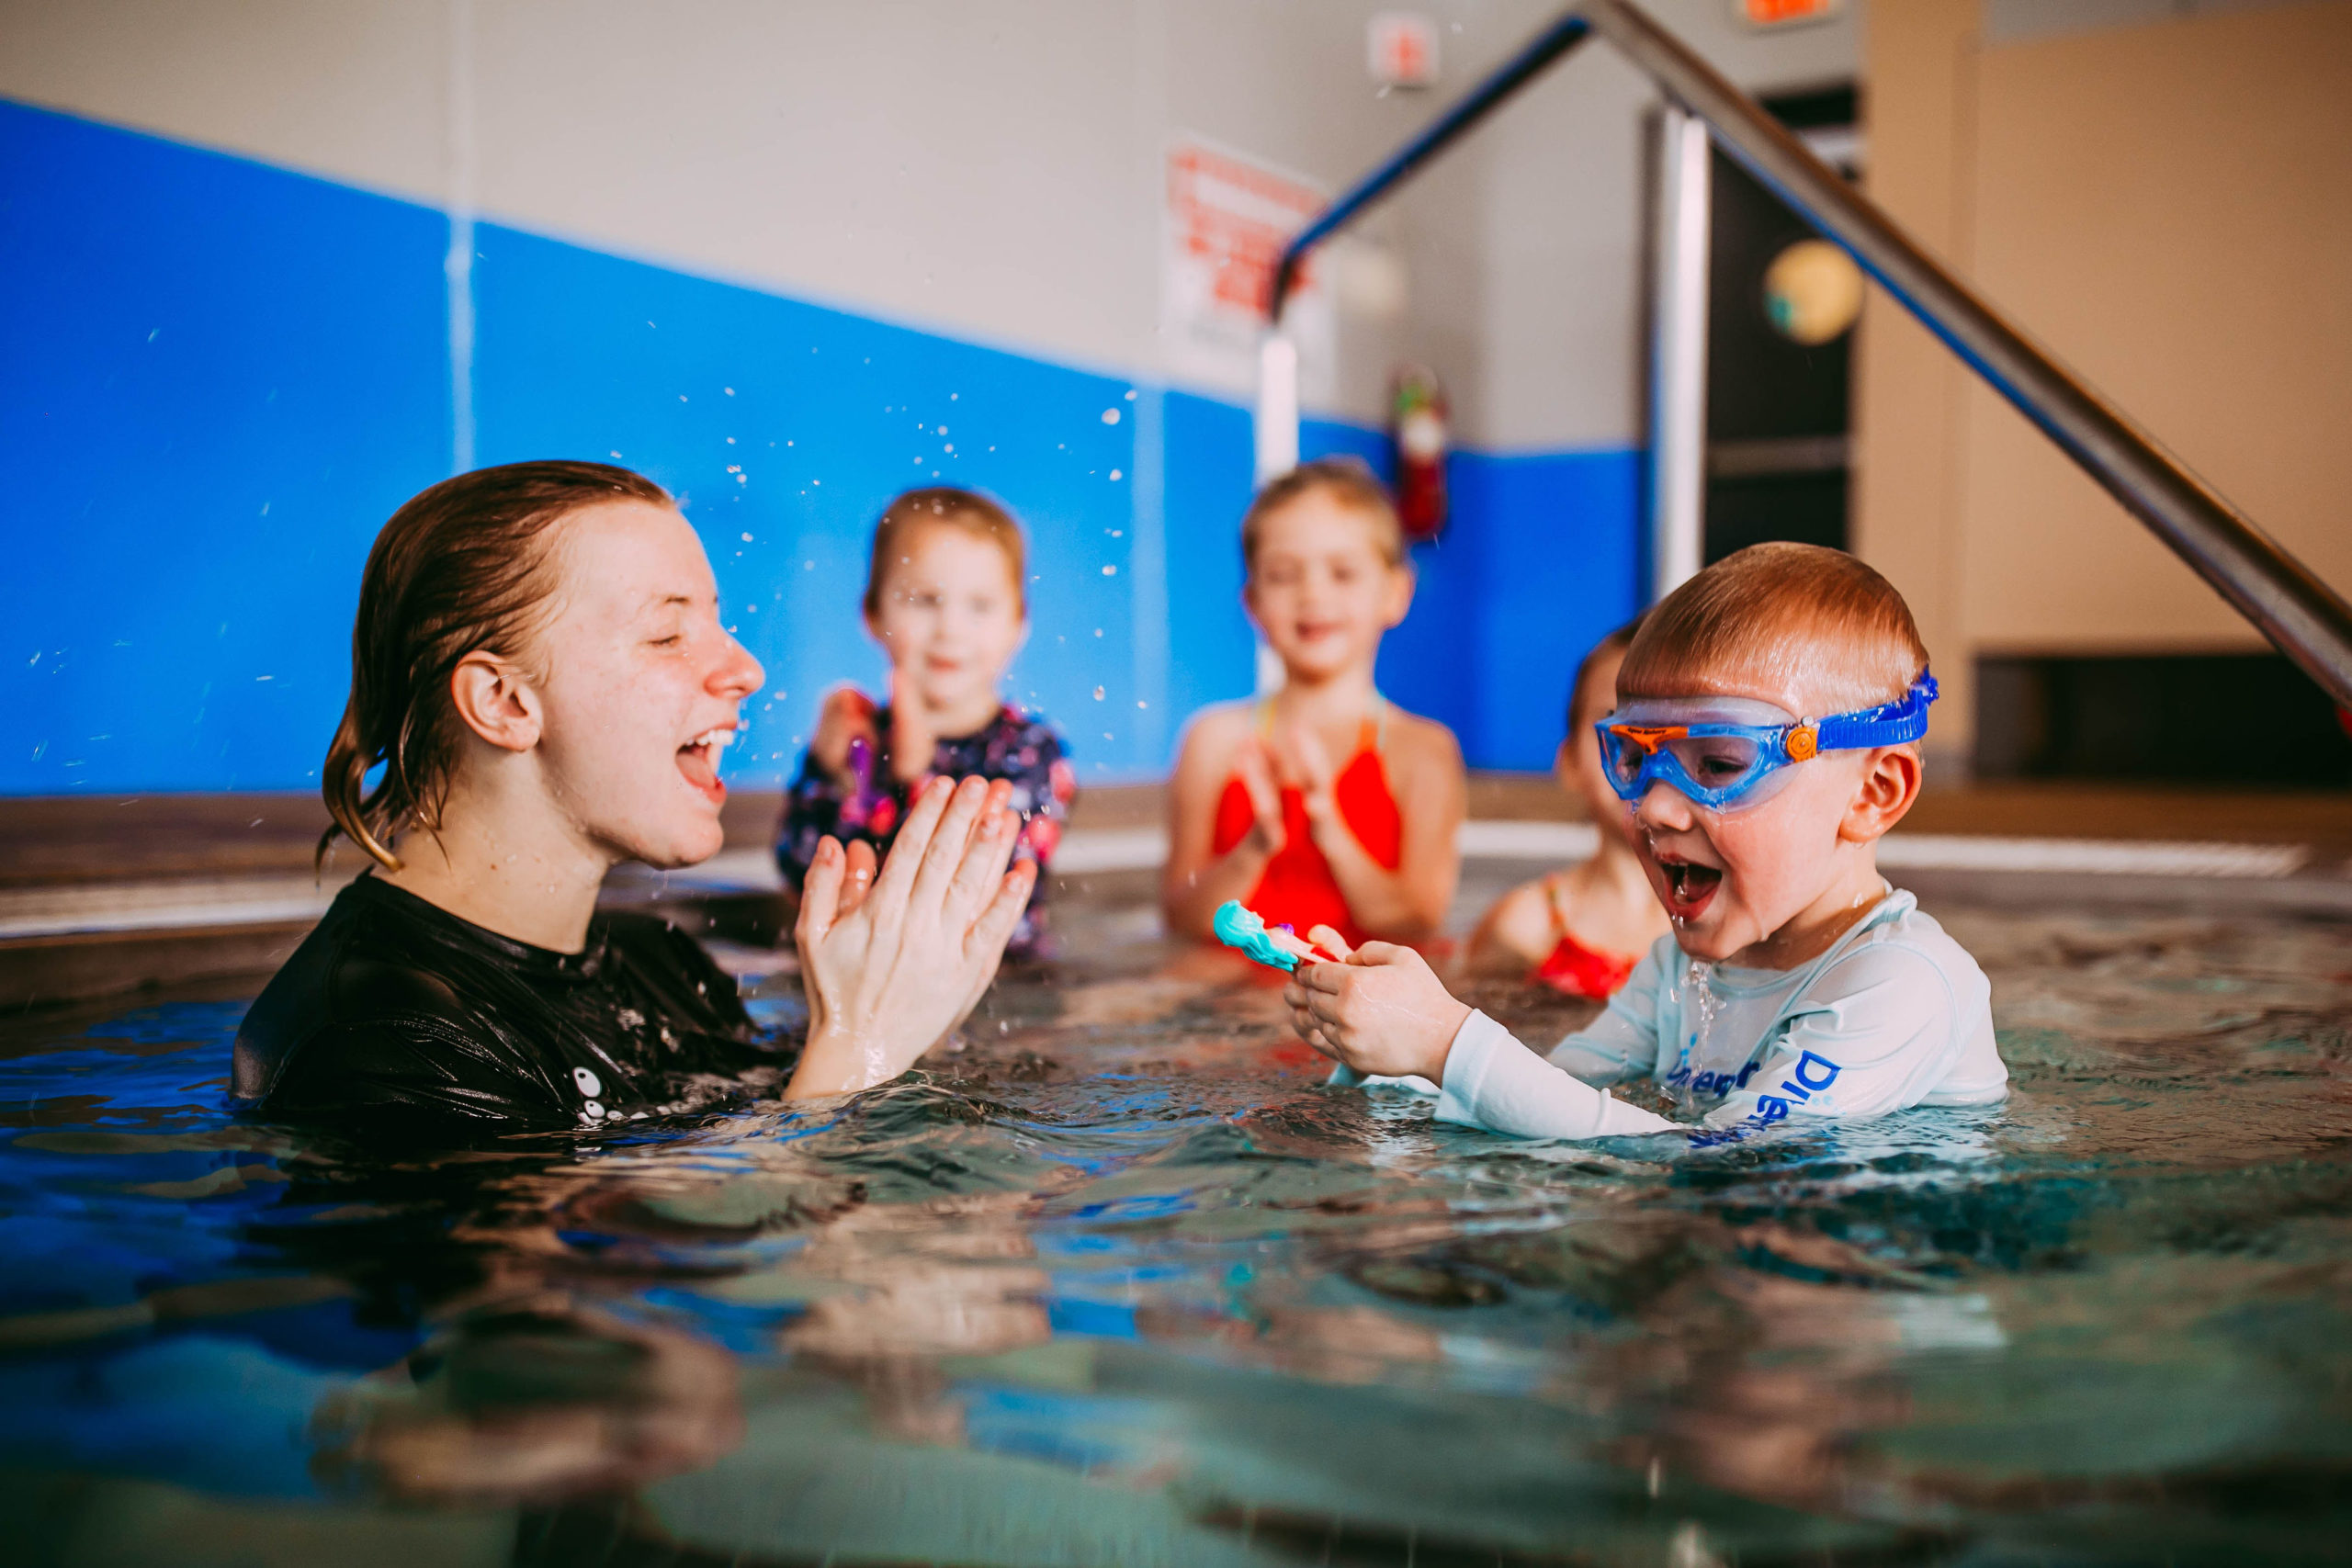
1297 889
1576 970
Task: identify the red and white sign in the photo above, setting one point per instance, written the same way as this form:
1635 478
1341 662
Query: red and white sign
1401 48
1228 217
1785 13
1232 218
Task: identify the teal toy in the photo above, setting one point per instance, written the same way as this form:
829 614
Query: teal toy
1241 930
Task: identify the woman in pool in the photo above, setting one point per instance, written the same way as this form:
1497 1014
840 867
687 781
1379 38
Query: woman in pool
540 668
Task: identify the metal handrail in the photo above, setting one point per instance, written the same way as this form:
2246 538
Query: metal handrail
1508 78
2302 616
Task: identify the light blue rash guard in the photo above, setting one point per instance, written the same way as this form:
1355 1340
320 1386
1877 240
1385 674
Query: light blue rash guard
1895 1014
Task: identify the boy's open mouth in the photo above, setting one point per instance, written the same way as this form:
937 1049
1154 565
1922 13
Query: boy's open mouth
1690 887
698 760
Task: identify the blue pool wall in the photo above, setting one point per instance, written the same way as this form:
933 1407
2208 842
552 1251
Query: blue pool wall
222 376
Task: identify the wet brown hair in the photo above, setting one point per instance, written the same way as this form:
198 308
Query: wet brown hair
1579 695
1812 619
462 568
1349 482
966 510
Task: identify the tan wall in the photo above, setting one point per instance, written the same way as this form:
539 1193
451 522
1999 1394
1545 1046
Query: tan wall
2168 206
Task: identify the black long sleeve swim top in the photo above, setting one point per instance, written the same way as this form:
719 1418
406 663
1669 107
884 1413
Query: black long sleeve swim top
394 1012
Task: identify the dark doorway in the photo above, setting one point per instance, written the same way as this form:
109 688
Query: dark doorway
2174 716
1778 374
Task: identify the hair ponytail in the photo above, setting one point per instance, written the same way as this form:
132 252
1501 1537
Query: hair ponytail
459 570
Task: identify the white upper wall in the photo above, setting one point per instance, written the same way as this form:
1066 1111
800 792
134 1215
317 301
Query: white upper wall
990 170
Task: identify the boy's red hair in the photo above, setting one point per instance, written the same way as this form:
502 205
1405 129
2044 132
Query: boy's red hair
1800 617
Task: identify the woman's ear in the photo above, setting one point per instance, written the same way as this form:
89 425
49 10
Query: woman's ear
495 702
1889 786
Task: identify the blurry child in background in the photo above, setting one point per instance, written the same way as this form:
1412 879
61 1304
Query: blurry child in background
1582 930
1322 805
946 598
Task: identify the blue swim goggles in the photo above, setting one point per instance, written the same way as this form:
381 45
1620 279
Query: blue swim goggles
1700 745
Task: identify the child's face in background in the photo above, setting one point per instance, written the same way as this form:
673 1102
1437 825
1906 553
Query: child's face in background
1731 879
950 617
1321 590
1577 763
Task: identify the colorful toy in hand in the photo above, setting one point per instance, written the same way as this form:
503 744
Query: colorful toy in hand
1278 948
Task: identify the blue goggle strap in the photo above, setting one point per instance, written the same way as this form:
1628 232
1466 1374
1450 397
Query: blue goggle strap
1889 723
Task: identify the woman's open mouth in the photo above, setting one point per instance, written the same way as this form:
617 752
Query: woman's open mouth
698 760
1690 887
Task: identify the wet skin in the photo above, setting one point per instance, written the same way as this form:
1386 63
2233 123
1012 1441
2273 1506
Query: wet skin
1772 885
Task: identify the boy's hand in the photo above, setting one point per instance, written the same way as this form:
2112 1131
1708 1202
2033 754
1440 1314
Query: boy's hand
1381 1010
847 716
912 745
1256 771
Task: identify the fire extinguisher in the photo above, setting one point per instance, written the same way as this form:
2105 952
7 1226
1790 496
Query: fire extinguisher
1416 423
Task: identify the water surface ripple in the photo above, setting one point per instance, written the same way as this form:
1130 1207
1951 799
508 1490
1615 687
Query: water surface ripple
1119 1282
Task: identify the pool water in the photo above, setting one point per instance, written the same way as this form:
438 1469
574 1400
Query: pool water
1120 1283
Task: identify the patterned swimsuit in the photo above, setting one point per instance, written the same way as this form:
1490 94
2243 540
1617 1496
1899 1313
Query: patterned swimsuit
1013 745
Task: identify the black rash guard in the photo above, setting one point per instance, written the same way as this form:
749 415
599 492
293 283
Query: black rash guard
396 1013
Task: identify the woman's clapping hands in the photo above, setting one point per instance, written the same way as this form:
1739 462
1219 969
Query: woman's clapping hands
892 963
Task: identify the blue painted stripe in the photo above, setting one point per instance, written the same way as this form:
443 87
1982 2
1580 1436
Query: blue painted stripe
223 376
1540 564
221 379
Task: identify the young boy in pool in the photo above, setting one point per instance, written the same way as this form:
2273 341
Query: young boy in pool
1579 930
947 597
1323 805
1766 737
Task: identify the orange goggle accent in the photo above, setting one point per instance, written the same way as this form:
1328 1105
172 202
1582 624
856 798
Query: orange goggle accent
1649 739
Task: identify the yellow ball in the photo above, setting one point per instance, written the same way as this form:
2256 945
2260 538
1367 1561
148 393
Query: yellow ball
1813 291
